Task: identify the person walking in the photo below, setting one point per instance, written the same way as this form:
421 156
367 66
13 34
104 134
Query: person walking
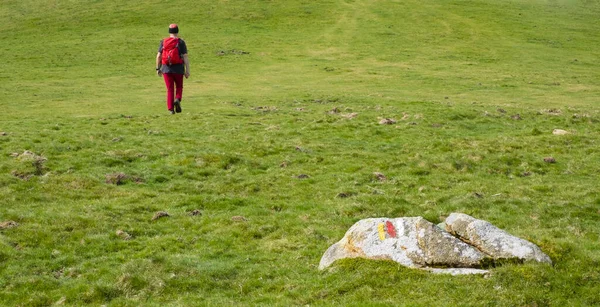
172 64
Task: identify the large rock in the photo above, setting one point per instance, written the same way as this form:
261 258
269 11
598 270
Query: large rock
492 240
411 241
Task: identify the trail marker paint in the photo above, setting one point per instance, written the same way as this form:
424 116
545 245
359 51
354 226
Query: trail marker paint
381 231
390 229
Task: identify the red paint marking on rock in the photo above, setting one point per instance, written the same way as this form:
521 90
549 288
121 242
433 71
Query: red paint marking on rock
390 229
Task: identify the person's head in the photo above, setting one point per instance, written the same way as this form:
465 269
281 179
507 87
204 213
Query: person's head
173 29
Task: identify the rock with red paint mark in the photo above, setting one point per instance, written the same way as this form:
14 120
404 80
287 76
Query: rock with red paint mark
418 243
492 240
391 230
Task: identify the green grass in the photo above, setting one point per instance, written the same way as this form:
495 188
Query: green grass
79 89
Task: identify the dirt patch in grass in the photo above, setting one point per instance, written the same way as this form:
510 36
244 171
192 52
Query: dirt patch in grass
160 214
387 121
239 218
122 178
123 235
379 176
8 225
265 109
231 52
116 178
195 212
21 175
345 194
349 115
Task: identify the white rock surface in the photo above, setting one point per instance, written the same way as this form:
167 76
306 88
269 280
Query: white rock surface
411 241
492 240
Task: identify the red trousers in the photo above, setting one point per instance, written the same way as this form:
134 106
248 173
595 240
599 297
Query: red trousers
174 84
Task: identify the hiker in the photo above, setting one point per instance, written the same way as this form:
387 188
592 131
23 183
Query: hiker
172 63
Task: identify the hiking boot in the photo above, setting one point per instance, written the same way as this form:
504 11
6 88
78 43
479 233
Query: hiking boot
171 111
177 104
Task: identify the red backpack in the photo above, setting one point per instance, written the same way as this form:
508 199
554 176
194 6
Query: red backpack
170 52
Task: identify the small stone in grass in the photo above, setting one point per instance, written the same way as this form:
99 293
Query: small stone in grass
349 116
387 121
195 212
8 224
21 175
559 132
302 176
549 160
380 176
61 301
334 111
116 178
123 235
239 218
160 214
344 195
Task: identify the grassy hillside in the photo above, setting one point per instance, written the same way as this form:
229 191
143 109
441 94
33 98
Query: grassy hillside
280 125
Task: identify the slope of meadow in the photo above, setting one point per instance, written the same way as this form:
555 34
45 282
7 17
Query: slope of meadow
280 125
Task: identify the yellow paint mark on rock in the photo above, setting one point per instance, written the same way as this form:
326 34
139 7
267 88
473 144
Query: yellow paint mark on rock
381 231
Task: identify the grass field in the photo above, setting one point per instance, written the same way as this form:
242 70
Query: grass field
280 126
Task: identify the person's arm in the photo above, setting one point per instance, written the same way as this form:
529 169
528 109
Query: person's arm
158 64
186 61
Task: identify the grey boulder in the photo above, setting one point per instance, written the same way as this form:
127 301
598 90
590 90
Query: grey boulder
411 241
492 240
